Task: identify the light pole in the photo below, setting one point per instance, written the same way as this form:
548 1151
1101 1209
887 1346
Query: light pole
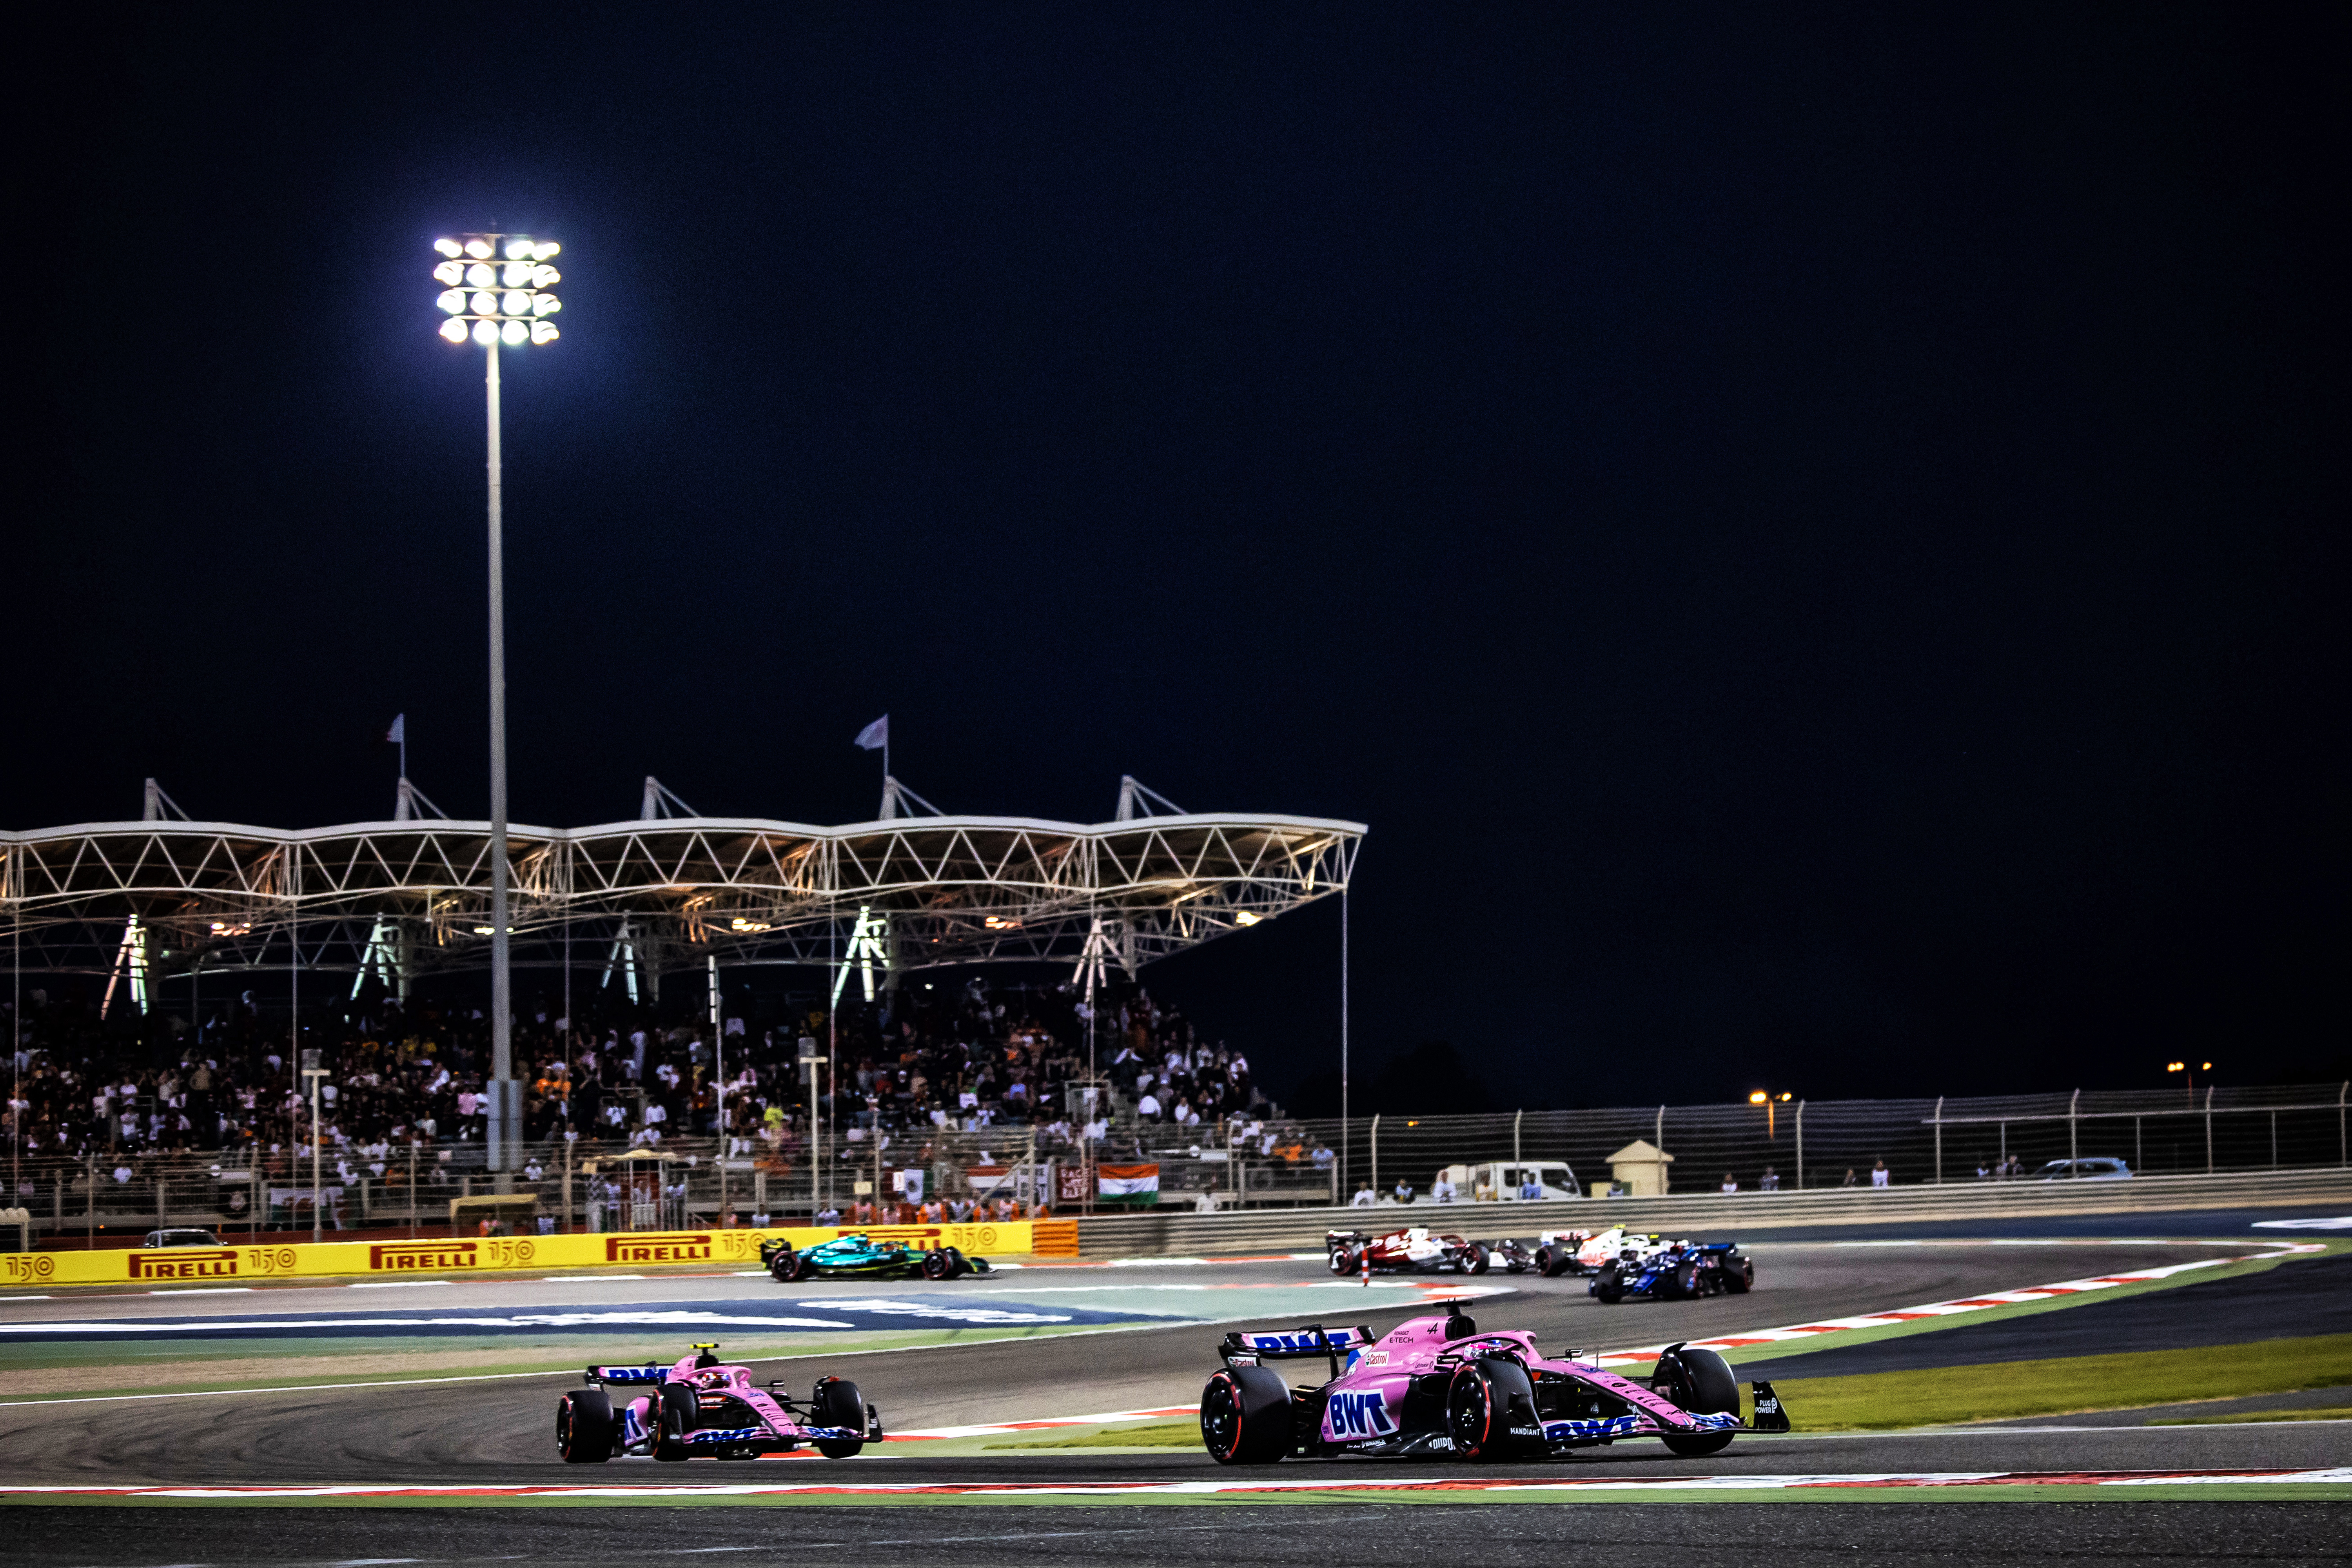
495 294
314 1072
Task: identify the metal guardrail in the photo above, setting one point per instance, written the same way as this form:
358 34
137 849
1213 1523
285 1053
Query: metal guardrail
1733 1214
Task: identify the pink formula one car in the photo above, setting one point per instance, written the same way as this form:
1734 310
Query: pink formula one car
701 1409
1438 1386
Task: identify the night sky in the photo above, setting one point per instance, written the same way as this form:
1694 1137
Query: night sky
1813 537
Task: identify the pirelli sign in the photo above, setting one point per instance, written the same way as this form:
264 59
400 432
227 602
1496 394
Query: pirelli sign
659 1246
186 1263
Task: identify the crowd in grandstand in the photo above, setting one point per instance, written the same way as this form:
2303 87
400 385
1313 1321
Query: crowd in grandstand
961 1056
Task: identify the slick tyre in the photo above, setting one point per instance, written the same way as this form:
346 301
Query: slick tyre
1343 1261
674 1416
1700 1381
1683 1284
583 1427
1490 1412
804 1268
837 1403
1739 1273
1551 1262
1245 1416
1608 1285
939 1264
1479 1262
782 1265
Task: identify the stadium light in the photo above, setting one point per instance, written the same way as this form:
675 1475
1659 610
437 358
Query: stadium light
494 291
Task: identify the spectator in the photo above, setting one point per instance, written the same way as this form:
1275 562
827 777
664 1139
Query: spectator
1771 1181
1730 1183
1850 1180
1403 1193
1363 1198
1442 1190
1880 1176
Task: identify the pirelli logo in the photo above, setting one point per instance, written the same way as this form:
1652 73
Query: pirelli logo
658 1248
185 1263
401 1257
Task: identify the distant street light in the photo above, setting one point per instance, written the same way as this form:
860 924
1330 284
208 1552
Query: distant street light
2190 1073
495 291
1771 1104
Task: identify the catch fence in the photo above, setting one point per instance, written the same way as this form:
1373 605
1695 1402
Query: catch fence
1295 1164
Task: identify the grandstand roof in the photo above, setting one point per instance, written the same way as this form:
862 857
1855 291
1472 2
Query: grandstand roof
415 894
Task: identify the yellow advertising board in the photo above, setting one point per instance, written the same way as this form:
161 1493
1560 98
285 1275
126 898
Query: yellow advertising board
184 1266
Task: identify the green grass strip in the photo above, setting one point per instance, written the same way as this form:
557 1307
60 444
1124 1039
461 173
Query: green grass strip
2003 1391
2333 1413
1176 1432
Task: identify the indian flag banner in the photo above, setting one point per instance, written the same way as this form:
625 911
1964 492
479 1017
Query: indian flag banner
1137 1185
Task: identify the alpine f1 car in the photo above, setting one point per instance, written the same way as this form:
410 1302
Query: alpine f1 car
1678 1271
1437 1385
860 1256
700 1408
1412 1250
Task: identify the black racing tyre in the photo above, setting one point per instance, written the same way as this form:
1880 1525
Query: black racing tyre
1479 1262
1739 1273
782 1265
803 1267
938 1265
674 1414
583 1427
1245 1416
1487 1400
837 1403
1343 1261
1683 1284
1551 1262
1608 1284
1700 1381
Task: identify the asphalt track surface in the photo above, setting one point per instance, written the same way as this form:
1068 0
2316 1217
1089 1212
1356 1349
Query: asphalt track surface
500 1430
1868 1535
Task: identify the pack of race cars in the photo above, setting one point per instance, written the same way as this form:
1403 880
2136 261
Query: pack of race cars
1431 1385
1624 1264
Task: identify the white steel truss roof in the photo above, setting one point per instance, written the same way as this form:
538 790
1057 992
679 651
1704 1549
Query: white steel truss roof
955 890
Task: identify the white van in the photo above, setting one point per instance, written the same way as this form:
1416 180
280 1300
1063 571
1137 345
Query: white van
1503 1179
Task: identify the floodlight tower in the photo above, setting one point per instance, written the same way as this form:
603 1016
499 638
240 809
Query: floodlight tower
495 291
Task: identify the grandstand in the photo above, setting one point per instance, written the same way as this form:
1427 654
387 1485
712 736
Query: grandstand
666 892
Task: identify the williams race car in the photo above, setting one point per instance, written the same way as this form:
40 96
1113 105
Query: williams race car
1678 1271
859 1257
1414 1250
1437 1385
701 1409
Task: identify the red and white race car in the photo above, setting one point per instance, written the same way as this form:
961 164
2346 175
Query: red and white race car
1413 1250
1560 1252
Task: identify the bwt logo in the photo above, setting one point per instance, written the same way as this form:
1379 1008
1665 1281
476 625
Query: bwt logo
399 1256
656 1248
184 1263
1359 1414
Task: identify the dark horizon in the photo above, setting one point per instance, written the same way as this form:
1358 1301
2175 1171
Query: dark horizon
1813 539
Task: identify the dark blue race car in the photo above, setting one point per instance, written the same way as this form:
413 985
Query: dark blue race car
863 1258
1679 1271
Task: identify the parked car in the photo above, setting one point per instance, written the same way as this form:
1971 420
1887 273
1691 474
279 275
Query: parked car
2097 1168
1435 1384
188 1237
1505 1177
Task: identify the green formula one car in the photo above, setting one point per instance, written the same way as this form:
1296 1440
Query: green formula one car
862 1258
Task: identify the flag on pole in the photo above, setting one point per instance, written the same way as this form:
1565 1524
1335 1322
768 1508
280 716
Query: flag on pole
874 736
1128 1183
398 735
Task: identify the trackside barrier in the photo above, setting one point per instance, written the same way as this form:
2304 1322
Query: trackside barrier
1733 1215
273 1261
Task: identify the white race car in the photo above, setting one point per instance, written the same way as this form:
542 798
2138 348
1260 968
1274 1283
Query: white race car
1560 1252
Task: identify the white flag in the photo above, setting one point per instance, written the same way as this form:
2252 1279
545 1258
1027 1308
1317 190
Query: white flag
399 732
874 736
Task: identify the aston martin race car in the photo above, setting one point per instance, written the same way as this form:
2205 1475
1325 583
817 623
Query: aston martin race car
1437 1385
1678 1271
1412 1250
862 1258
700 1408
